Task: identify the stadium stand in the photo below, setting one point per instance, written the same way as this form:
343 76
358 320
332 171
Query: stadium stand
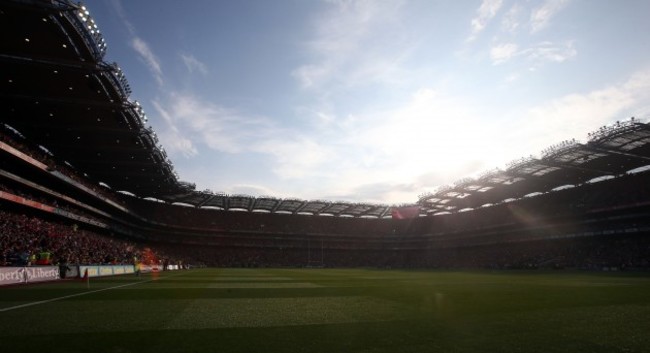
84 179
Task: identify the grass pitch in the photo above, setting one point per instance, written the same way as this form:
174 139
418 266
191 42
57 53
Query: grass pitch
331 310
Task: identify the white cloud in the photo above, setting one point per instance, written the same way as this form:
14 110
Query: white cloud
193 124
193 64
574 115
484 14
354 42
139 45
173 139
548 51
121 13
296 156
511 20
177 142
219 128
310 75
148 57
541 16
537 55
503 52
250 189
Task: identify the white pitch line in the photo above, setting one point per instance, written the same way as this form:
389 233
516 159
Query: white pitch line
71 296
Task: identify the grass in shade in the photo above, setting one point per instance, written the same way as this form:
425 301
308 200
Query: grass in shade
331 310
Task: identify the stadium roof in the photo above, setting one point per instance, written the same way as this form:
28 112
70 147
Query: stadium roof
57 91
612 151
270 204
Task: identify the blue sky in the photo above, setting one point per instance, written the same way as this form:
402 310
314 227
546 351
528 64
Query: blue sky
373 101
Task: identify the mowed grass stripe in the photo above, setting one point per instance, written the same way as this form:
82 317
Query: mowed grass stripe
232 284
352 311
275 312
13 297
40 302
251 279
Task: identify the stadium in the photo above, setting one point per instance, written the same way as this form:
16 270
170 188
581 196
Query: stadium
105 249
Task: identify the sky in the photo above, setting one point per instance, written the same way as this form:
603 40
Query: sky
373 101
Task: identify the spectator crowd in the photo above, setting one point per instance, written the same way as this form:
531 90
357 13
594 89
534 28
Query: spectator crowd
29 240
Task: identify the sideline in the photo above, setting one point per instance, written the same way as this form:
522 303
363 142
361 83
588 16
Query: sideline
82 293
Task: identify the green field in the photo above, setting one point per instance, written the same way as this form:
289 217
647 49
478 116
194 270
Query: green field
331 310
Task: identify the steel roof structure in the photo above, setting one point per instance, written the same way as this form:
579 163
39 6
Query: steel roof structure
269 204
611 151
57 91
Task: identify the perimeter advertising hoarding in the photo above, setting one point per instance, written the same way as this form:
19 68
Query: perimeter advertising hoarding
123 269
146 268
17 275
93 271
101 271
40 274
12 275
71 271
105 271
